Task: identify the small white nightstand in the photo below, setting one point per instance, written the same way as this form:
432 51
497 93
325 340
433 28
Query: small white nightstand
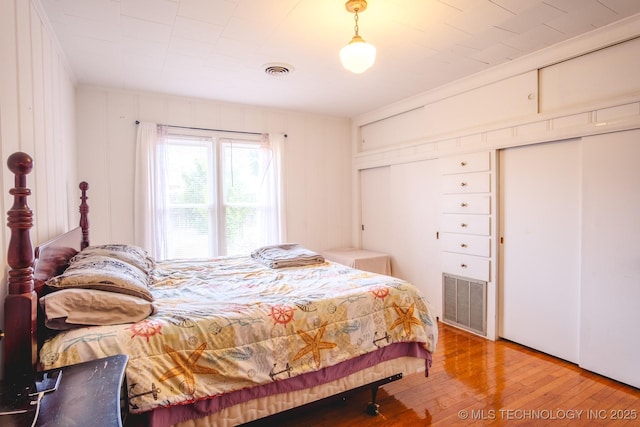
361 259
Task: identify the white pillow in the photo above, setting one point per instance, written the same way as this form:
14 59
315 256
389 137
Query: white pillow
70 308
104 274
131 254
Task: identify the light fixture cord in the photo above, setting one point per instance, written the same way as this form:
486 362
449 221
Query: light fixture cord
356 19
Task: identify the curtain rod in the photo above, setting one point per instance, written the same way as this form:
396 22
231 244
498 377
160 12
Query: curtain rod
213 130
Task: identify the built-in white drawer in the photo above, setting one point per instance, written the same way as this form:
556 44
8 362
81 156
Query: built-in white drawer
466 203
475 182
473 267
468 244
467 224
473 162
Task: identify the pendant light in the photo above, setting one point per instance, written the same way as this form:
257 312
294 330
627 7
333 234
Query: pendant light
358 55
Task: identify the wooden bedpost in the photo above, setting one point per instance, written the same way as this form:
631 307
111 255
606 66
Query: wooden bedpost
20 305
84 215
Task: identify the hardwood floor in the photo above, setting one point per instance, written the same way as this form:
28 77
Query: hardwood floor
475 382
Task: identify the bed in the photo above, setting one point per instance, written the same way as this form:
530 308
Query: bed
219 341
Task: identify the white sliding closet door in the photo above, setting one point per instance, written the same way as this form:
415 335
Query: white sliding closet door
610 311
375 199
415 199
539 295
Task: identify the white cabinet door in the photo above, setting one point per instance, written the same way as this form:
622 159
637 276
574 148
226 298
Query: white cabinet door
415 201
400 213
610 297
376 209
539 257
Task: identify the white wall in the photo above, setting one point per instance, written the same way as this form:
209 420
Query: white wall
317 159
37 116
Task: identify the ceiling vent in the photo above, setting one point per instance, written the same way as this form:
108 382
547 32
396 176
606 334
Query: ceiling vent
278 69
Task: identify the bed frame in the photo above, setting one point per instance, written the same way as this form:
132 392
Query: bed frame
28 270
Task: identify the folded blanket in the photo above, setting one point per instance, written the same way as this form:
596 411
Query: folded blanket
286 255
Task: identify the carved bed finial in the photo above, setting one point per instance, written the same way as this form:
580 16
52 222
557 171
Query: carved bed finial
84 215
21 302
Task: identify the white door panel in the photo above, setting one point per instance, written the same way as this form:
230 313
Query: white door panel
610 295
376 209
415 201
540 255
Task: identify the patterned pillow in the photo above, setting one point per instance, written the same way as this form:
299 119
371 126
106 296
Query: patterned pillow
72 308
131 254
105 274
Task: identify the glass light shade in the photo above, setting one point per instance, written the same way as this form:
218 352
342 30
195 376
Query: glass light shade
358 55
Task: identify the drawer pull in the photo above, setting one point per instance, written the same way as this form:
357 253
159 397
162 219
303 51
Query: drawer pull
463 265
463 163
463 184
463 225
463 245
464 205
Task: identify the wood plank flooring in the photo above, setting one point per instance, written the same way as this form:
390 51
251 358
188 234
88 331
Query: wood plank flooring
476 382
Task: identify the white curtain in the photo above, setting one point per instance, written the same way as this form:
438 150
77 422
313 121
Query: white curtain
275 227
149 227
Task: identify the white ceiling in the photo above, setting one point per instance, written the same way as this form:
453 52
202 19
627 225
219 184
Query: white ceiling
217 49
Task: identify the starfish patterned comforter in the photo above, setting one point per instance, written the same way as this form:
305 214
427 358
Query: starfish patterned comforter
231 323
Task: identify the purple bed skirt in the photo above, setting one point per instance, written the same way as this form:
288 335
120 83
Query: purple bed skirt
162 417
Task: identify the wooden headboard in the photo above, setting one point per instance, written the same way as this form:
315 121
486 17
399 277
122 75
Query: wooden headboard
28 270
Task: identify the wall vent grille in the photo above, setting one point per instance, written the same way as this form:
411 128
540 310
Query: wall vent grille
465 303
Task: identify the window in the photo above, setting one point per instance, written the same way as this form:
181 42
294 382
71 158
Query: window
200 194
218 194
190 212
246 199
